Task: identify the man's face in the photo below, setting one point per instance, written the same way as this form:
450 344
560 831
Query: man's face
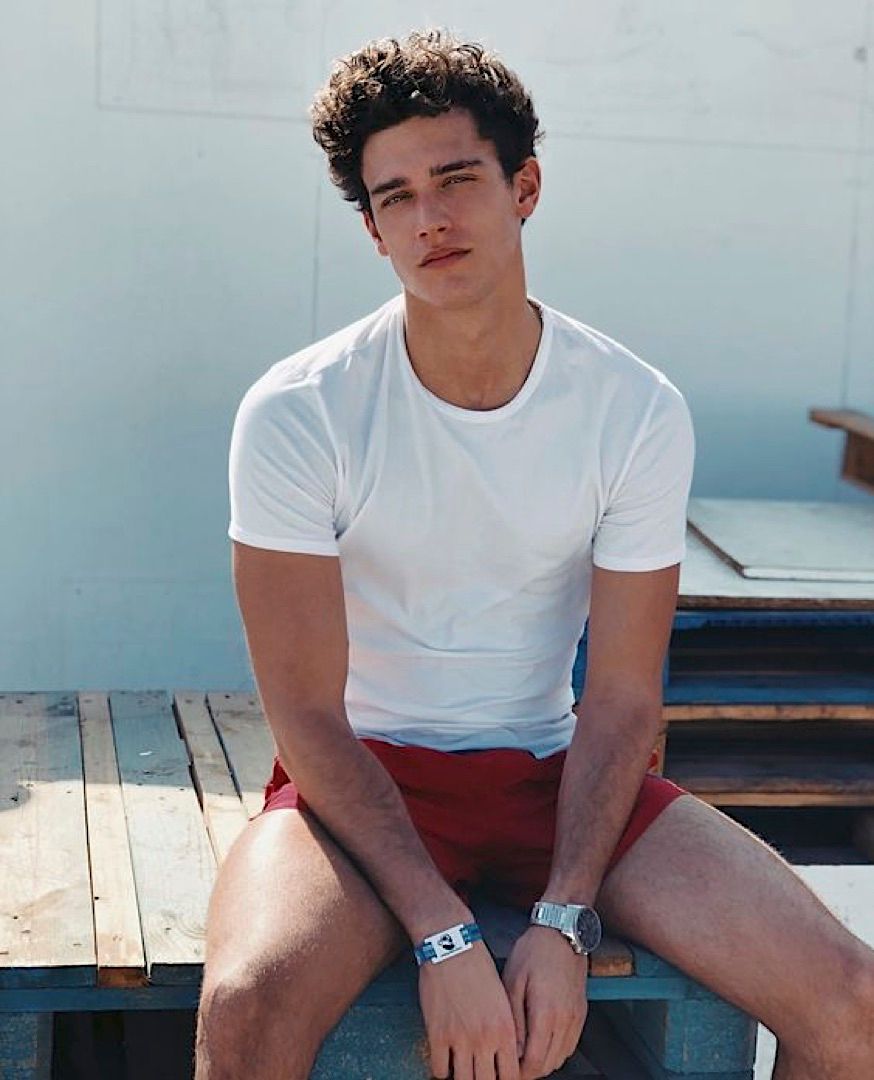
442 209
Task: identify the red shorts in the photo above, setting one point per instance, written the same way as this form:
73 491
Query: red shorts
486 817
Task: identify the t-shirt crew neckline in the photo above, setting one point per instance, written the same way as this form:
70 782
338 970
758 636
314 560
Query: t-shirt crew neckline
479 416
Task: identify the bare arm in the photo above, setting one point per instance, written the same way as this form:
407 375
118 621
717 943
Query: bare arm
618 720
294 616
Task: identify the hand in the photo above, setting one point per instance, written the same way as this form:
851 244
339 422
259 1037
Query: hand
467 1014
546 984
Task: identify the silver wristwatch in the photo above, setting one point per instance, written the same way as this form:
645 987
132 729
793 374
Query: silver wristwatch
579 924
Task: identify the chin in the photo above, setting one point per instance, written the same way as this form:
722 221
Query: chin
447 296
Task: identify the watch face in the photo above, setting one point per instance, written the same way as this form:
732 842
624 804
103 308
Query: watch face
588 929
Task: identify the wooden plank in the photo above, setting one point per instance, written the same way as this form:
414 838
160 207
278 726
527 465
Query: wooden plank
247 741
26 1046
223 812
706 581
120 955
46 922
849 420
799 687
857 466
779 539
718 737
765 799
782 711
174 866
604 1049
791 769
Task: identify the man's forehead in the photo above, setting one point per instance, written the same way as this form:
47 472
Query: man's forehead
426 145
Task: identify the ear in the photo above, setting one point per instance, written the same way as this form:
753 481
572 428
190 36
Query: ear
526 186
370 225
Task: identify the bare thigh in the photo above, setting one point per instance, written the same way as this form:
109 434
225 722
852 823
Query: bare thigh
712 898
294 933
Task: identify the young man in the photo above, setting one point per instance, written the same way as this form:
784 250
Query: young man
426 507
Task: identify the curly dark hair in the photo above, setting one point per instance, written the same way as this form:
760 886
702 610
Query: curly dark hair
429 73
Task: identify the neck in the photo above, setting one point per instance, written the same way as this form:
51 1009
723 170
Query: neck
477 357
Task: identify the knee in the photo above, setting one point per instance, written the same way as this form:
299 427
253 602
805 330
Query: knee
242 1031
841 1038
861 994
851 1004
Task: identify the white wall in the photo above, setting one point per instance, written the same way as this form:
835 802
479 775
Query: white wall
167 232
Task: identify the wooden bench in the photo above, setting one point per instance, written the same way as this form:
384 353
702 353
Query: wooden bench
116 810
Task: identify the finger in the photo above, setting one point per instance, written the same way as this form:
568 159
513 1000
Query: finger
508 1063
440 1060
462 1065
555 1055
536 1047
484 1065
517 1005
564 1044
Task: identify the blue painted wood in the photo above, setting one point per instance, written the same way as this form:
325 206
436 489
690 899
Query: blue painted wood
695 1038
375 1041
98 998
687 619
767 690
26 1046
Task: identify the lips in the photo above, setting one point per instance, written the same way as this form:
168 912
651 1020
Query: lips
443 256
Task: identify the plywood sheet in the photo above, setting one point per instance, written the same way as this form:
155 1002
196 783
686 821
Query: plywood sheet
174 866
46 925
776 539
708 581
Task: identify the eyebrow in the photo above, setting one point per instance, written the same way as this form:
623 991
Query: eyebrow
435 170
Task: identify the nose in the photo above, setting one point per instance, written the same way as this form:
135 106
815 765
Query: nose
432 218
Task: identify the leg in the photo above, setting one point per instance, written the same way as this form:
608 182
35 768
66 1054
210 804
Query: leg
294 934
710 897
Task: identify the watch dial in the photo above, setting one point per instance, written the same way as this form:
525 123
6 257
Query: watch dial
589 929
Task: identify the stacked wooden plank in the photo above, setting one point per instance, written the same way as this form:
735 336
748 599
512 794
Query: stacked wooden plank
769 691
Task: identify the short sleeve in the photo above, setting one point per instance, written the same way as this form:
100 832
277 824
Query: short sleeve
282 474
644 524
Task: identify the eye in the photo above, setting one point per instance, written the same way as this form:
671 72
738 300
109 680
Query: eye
398 195
454 178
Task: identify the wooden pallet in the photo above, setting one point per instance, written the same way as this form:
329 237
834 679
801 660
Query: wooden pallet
119 809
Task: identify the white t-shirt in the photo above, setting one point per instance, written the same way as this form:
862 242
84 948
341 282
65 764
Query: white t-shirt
466 538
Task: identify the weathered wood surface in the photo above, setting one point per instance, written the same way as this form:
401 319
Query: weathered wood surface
46 922
248 743
726 776
763 711
707 581
162 812
120 955
223 812
800 541
174 865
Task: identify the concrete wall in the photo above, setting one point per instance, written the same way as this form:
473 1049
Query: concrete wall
168 233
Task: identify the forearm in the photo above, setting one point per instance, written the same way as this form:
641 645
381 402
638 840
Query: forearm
604 768
359 804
